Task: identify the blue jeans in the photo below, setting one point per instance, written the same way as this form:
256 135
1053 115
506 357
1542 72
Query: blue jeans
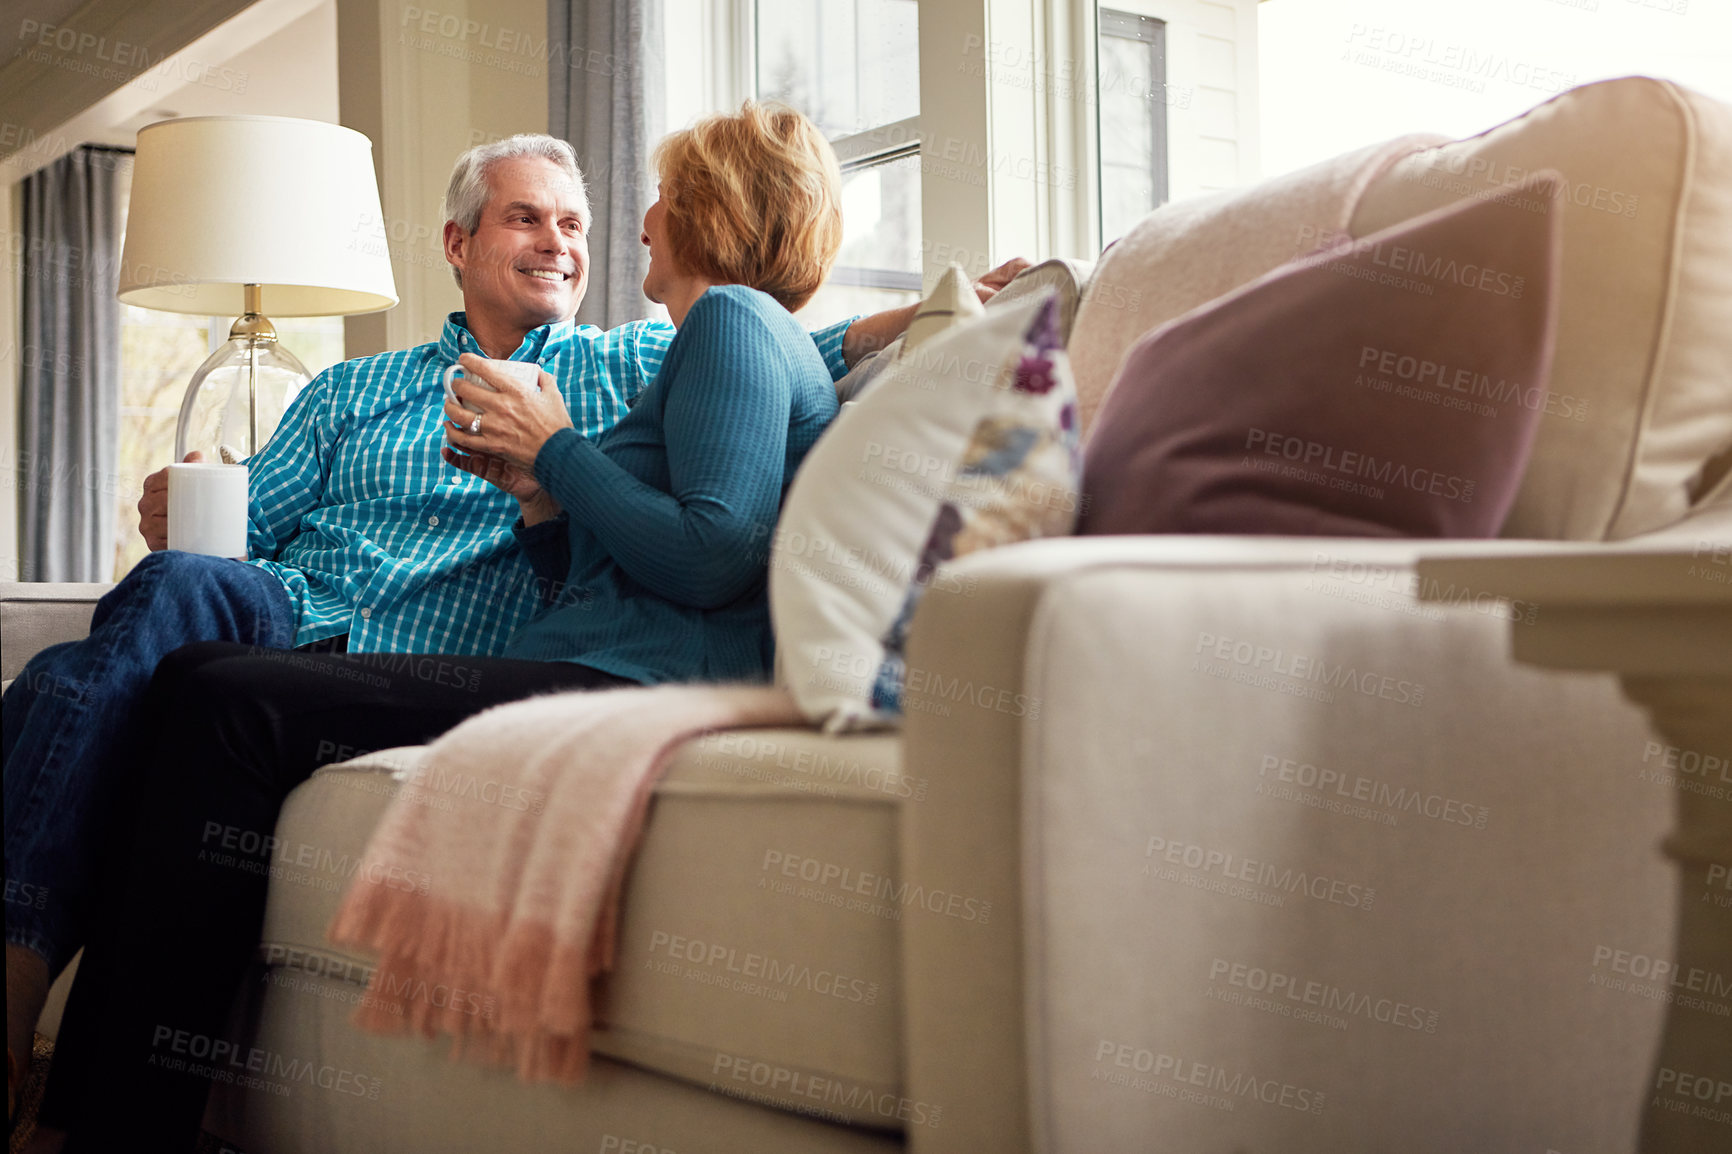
73 728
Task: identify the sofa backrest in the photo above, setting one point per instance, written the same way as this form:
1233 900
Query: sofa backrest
1638 428
1638 423
1184 255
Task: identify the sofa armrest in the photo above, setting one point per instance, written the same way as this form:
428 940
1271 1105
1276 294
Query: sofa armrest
35 615
1125 739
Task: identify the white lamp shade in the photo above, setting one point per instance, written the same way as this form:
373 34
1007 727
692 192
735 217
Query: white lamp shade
219 202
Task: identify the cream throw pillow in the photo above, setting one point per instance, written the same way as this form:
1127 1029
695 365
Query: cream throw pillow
951 302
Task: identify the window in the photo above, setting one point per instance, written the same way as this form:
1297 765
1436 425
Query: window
879 264
158 353
1132 119
853 66
1177 85
978 130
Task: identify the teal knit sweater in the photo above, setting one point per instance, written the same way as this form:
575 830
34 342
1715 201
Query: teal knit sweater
656 570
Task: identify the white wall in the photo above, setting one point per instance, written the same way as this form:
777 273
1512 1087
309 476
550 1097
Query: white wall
430 82
1339 74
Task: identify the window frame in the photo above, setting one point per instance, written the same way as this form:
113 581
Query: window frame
1008 139
855 153
1008 118
873 148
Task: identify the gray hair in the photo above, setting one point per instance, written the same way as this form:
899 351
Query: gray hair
469 190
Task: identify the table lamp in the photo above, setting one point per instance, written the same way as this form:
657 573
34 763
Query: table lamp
230 214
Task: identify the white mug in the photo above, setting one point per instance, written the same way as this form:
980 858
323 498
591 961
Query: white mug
207 508
526 374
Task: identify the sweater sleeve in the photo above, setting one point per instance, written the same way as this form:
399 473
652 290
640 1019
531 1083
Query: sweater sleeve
547 545
725 425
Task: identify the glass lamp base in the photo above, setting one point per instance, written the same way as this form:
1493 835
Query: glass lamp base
236 399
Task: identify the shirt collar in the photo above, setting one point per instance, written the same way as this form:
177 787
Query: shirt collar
538 345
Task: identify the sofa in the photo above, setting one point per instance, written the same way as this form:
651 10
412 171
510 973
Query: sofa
1121 881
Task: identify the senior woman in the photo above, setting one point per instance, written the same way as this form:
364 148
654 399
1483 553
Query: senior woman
652 544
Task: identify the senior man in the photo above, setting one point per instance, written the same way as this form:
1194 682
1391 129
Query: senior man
359 537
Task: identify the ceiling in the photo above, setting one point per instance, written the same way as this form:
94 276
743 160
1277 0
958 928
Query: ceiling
269 57
46 11
291 72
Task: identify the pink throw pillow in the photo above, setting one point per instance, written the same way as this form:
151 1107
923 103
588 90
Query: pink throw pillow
1389 387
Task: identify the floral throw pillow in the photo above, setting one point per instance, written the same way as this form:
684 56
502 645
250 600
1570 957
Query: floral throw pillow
969 441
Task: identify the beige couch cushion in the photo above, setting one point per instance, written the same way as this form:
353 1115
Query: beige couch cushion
1188 253
425 1103
760 944
1644 344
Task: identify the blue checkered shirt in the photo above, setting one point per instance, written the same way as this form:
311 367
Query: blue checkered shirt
373 535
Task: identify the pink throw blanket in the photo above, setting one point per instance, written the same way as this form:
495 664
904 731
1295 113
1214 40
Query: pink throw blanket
492 913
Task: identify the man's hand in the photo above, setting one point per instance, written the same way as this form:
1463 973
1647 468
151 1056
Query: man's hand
153 506
871 333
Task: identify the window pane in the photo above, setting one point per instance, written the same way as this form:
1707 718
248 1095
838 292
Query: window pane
837 302
689 59
1133 120
878 266
848 64
1127 116
158 353
881 217
1127 195
317 342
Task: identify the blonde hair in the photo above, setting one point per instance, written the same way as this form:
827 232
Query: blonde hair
753 198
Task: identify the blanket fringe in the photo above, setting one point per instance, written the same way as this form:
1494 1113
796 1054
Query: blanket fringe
461 975
506 986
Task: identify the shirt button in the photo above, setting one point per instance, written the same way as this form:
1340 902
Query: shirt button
366 614
433 521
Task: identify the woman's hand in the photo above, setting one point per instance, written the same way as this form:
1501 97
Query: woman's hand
515 422
537 503
495 472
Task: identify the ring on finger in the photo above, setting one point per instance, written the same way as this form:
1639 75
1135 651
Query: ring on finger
475 427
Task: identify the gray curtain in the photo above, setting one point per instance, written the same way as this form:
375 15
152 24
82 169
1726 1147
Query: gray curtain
69 386
605 96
